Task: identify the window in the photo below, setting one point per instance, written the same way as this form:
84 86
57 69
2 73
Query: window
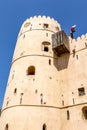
24 36
47 34
36 91
21 97
15 90
46 49
86 44
44 127
84 111
31 70
27 24
6 127
62 102
41 95
81 91
73 101
68 115
77 57
46 25
49 61
45 46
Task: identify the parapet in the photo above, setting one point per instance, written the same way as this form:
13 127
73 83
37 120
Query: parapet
79 39
40 22
79 43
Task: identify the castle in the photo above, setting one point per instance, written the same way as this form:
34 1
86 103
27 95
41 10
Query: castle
47 85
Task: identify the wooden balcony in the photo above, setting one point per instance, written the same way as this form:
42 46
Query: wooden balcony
60 43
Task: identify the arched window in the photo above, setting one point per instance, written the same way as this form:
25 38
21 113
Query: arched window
84 111
6 127
31 70
27 24
44 127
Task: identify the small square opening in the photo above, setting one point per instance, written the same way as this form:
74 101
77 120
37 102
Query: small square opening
81 91
46 49
46 25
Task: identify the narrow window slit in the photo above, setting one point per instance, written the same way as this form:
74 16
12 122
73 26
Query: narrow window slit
49 61
44 127
6 127
62 102
15 90
68 115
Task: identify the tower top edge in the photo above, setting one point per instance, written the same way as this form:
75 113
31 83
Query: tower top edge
81 38
40 22
39 17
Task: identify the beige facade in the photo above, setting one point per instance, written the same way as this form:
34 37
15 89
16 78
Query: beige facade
45 91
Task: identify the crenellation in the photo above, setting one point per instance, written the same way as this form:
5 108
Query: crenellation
86 35
78 38
80 43
57 22
35 17
39 16
48 18
31 18
82 37
37 22
73 40
52 19
44 17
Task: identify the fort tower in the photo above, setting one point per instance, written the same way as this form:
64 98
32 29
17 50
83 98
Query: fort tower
47 85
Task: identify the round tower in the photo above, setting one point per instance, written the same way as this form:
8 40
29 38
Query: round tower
32 95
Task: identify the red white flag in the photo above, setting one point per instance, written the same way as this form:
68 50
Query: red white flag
73 27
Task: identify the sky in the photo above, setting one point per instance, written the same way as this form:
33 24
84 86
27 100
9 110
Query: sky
14 12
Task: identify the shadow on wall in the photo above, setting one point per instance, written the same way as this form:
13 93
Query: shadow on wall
61 62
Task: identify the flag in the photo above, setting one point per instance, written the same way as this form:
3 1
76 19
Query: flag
73 28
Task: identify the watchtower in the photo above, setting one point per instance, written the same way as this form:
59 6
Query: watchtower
47 85
31 96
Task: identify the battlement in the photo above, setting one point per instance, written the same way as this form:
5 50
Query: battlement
82 38
40 22
78 44
42 17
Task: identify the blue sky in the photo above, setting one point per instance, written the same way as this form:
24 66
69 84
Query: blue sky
14 12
